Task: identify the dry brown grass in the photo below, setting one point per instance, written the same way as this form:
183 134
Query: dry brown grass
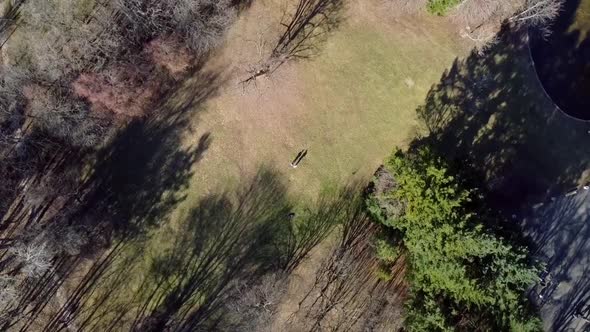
349 106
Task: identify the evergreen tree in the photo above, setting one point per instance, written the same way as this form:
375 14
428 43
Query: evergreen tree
461 276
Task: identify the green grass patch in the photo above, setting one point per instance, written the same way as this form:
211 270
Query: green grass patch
362 92
441 7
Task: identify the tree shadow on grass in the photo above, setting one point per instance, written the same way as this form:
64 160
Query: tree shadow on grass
346 293
489 115
136 181
311 226
225 240
217 245
307 26
491 120
235 241
140 176
304 27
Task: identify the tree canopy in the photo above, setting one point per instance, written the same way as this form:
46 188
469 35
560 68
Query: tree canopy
462 276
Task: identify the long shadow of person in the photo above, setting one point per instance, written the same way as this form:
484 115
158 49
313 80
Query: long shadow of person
301 157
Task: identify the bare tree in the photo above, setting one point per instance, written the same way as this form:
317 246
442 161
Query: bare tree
202 23
144 19
35 249
12 80
71 240
12 139
64 116
304 28
254 306
63 42
199 23
35 257
310 20
473 14
482 38
479 20
345 293
9 297
8 291
537 13
66 40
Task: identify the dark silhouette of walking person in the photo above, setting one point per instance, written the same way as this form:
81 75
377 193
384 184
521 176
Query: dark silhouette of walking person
298 159
294 162
301 157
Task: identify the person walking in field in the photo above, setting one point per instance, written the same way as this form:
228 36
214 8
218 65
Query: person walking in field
298 159
294 162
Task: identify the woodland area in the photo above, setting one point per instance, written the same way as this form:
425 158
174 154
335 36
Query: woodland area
92 165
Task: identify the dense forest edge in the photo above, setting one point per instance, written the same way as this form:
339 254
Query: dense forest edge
463 275
97 96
